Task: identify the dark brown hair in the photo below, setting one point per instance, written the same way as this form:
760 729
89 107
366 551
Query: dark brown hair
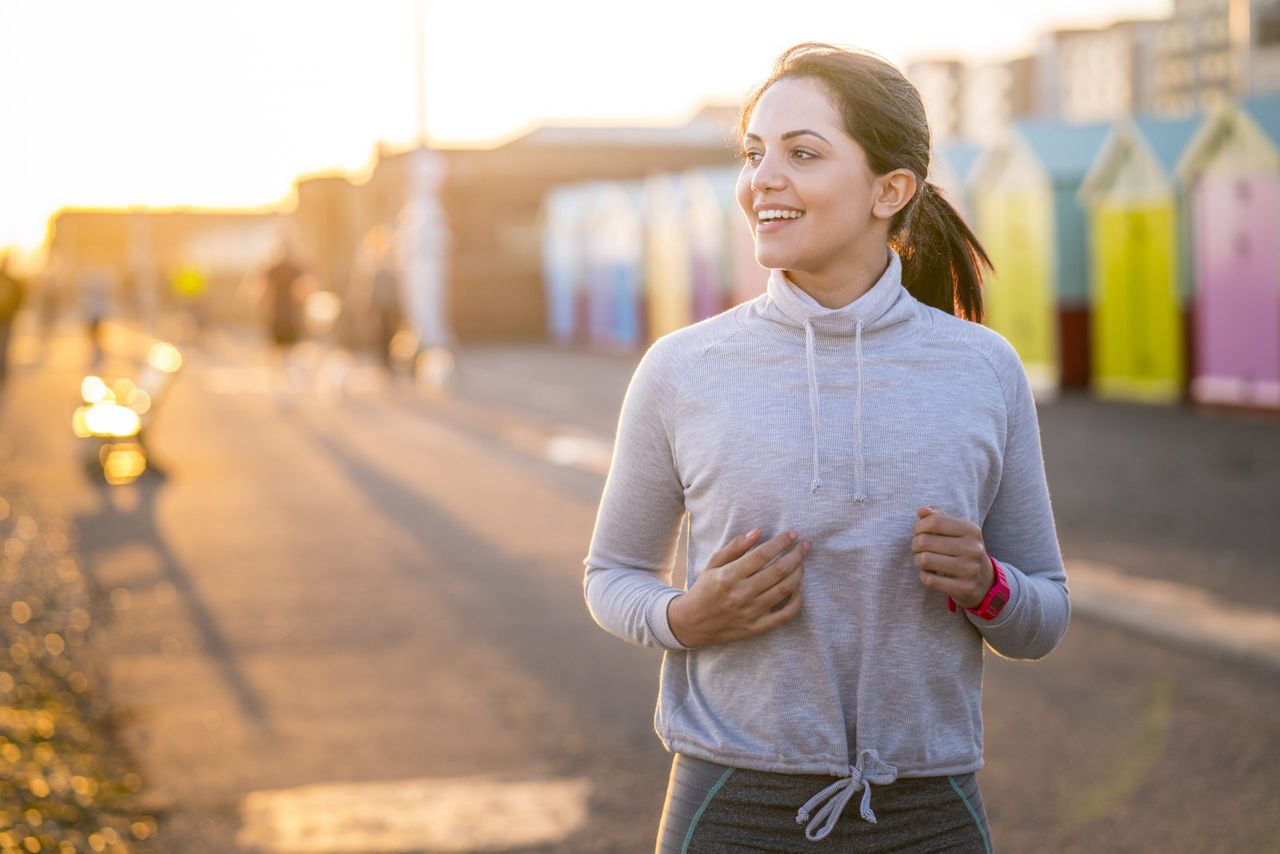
942 260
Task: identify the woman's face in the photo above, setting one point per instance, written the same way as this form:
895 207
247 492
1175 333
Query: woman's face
805 185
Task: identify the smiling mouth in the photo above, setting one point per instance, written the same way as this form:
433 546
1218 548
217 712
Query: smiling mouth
767 216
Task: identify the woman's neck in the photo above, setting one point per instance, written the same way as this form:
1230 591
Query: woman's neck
836 287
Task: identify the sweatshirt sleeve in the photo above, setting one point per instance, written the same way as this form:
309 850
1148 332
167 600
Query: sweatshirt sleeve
1019 532
628 567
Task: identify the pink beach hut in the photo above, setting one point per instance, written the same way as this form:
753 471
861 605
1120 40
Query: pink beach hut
706 203
725 271
1233 169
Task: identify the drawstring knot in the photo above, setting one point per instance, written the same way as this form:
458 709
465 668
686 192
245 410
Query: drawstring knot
870 768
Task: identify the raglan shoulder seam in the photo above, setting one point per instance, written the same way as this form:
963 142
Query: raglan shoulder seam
965 339
675 385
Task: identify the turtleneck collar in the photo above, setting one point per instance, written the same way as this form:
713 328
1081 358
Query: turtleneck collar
790 305
885 305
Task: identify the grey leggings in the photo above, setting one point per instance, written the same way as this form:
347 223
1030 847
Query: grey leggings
713 808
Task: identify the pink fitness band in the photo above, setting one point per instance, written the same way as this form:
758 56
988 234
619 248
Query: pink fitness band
995 600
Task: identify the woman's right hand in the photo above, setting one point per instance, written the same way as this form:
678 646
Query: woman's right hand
745 590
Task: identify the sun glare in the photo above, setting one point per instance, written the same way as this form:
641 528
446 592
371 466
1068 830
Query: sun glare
224 105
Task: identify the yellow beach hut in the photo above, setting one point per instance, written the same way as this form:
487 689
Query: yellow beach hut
1029 221
668 272
1139 266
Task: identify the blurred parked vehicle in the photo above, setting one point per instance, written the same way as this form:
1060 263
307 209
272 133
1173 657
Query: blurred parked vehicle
115 415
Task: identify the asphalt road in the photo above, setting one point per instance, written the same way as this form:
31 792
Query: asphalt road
385 587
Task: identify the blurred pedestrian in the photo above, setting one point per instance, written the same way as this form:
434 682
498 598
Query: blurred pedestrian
99 290
13 292
376 293
857 428
49 297
285 284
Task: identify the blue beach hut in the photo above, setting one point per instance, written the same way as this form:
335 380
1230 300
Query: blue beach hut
563 225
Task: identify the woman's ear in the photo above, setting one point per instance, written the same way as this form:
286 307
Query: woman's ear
893 191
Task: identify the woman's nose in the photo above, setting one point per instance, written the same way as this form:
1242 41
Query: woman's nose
767 176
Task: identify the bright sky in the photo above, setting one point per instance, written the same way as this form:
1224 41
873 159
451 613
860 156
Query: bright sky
192 102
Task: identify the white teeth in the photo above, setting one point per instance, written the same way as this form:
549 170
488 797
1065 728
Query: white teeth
767 215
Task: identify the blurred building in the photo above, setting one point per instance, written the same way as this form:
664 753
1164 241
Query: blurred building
146 248
1255 34
1207 51
1212 49
493 198
1097 75
941 83
328 217
1195 63
974 103
994 96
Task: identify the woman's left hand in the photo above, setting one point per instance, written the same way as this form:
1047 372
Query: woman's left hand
951 557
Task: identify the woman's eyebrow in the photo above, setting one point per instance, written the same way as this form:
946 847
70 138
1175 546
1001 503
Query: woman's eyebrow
789 134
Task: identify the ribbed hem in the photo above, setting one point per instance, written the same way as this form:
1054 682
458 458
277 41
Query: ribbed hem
1013 578
660 625
811 765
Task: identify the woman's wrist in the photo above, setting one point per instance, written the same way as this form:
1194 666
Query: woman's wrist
986 580
680 621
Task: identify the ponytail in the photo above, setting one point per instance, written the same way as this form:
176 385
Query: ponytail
942 260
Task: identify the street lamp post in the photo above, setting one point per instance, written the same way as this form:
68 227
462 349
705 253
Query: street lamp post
422 230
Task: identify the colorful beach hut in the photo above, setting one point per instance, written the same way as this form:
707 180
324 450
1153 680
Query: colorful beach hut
741 276
563 224
747 278
1139 266
707 200
1024 192
614 259
952 170
668 273
1232 168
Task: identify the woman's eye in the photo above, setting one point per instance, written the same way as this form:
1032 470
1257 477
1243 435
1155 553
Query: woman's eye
754 157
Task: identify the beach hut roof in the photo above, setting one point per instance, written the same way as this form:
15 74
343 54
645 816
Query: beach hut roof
962 157
1265 111
1256 119
1165 140
1168 138
1066 150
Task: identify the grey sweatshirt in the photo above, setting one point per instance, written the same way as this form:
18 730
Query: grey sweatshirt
836 423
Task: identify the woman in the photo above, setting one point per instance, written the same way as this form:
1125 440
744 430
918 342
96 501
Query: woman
860 463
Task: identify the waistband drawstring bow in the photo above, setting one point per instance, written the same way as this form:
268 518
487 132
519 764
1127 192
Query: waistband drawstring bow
869 769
